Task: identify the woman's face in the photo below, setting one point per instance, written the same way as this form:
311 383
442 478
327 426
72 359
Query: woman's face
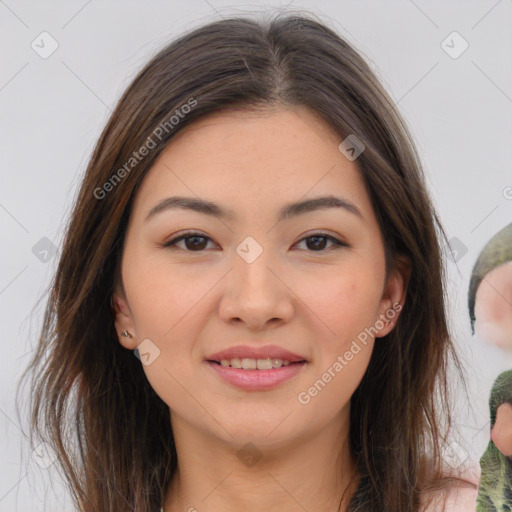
254 279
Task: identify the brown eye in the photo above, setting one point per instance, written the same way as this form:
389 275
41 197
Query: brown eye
194 242
319 240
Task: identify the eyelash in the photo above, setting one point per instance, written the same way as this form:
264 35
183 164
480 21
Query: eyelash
192 234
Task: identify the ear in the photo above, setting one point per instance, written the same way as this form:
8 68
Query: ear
123 320
393 296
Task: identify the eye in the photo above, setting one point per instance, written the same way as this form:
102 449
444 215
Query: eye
319 240
194 237
195 242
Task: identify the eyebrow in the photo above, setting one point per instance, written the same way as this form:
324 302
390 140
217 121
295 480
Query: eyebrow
289 210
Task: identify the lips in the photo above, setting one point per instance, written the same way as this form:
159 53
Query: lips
247 352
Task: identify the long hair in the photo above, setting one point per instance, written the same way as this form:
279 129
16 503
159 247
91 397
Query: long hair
90 399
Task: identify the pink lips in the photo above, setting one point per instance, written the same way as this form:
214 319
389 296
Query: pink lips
256 380
241 351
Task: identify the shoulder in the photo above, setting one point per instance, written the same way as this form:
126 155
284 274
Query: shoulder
461 495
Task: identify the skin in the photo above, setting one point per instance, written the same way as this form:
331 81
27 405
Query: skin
313 302
501 433
493 307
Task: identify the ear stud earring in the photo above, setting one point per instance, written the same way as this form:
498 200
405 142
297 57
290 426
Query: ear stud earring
126 334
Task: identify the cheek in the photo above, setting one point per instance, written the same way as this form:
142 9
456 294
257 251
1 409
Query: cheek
346 302
169 309
164 297
338 372
345 308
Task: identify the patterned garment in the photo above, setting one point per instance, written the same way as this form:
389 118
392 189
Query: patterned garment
495 492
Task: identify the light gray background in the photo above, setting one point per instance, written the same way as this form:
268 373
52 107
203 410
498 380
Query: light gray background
52 111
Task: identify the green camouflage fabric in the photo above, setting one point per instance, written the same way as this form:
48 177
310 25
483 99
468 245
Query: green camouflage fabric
495 490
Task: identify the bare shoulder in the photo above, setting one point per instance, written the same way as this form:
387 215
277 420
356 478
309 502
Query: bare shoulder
461 495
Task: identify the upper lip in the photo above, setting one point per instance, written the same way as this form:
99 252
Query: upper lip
245 351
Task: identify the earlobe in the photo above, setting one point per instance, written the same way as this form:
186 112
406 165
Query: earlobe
123 322
393 297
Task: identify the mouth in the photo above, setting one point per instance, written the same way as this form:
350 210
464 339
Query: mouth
256 368
245 374
251 364
255 358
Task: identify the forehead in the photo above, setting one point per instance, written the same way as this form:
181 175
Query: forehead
256 159
232 132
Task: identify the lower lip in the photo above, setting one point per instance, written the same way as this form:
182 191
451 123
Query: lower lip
256 379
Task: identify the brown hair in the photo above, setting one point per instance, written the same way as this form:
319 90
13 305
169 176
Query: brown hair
120 453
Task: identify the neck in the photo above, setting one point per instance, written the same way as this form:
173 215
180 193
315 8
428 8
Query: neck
305 473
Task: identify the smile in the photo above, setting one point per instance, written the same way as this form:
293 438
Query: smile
247 373
248 363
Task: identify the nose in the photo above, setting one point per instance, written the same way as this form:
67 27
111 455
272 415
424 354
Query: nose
256 294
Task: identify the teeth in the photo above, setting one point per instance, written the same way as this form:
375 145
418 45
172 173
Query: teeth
253 364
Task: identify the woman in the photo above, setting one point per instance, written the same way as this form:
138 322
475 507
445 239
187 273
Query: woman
254 226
